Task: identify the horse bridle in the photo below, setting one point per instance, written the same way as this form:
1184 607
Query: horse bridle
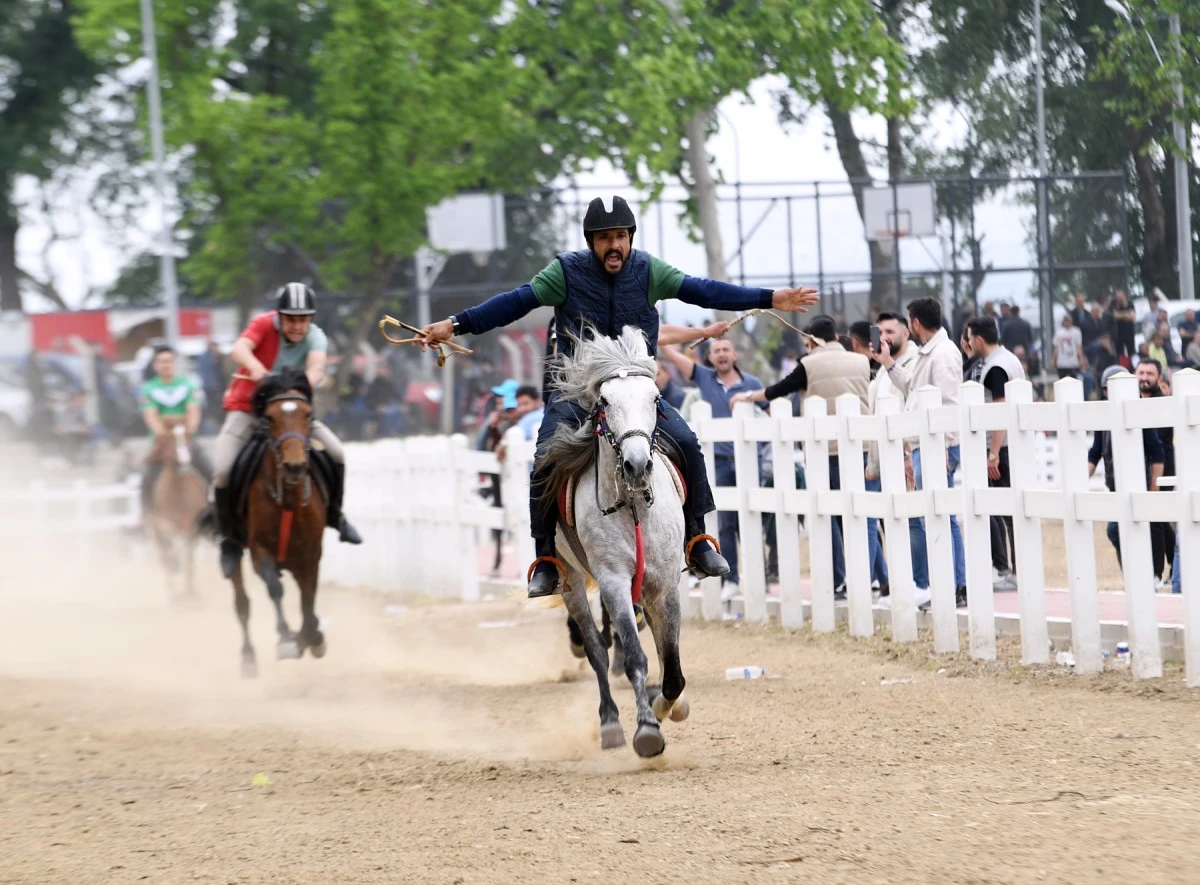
599 421
276 442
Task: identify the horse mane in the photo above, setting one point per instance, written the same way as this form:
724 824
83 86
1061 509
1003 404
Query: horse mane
578 378
288 378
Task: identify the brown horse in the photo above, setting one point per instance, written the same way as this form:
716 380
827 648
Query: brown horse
285 518
180 493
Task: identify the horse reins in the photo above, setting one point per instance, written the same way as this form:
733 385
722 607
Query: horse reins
286 514
600 423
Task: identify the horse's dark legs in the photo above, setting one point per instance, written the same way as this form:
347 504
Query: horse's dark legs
576 635
311 636
613 640
287 646
241 603
648 739
664 618
611 733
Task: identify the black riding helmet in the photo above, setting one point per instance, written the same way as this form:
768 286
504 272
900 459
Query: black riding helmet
601 217
296 299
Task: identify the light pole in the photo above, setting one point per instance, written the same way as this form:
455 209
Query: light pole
1183 202
166 246
1046 297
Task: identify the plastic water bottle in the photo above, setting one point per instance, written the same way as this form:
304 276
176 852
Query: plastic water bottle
734 673
1121 658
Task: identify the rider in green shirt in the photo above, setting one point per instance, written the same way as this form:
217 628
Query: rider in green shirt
168 395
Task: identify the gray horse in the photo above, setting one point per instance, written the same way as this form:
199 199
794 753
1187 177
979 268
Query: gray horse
611 459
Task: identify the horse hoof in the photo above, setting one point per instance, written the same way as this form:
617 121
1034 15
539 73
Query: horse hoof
249 668
648 741
287 648
661 706
317 651
578 650
612 736
682 708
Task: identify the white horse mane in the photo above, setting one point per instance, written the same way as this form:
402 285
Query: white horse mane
598 359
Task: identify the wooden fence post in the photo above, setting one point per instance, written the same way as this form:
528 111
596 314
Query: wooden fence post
856 550
1027 531
976 525
787 531
1129 465
1072 470
710 588
939 546
820 527
894 486
1186 386
751 568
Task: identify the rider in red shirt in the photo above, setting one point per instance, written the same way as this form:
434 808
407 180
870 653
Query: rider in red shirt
287 337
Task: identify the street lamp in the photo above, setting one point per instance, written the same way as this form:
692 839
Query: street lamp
166 246
1183 207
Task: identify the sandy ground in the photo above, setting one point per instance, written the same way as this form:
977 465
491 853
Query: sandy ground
445 743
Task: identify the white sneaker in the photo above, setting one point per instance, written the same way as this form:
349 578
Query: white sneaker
922 597
884 602
1006 583
729 590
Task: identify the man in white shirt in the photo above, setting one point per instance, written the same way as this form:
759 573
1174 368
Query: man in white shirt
938 364
1068 349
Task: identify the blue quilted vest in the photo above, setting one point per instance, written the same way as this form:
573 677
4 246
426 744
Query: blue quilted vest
608 302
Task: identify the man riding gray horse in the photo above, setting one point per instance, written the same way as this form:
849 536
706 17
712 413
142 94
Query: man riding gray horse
606 287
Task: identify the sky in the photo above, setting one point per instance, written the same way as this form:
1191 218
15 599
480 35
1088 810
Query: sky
751 146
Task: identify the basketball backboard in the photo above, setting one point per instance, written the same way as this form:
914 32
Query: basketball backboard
468 223
905 210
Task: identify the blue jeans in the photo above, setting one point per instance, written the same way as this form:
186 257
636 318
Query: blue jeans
879 570
727 520
839 550
1175 586
916 530
1114 538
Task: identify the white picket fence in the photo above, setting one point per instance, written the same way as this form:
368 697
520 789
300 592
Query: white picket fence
416 502
1074 501
418 506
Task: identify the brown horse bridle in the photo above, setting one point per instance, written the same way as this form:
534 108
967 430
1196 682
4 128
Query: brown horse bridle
276 442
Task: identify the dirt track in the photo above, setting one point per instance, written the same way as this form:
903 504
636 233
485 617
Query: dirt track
427 748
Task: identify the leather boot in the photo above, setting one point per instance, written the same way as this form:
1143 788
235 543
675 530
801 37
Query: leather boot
231 549
334 517
544 580
703 559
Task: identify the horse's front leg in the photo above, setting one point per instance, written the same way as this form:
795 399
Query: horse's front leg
665 619
311 637
264 564
575 597
614 594
241 603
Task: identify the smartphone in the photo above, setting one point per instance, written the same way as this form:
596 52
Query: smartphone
874 339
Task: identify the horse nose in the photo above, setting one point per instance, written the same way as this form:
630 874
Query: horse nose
293 471
637 470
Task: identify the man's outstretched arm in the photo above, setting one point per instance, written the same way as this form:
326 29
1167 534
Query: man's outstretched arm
547 289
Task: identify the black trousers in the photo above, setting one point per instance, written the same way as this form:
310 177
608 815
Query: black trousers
1004 545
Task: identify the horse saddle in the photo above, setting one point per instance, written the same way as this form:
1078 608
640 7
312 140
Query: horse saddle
666 450
245 468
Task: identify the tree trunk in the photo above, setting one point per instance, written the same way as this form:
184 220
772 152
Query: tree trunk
703 189
883 279
10 291
1156 254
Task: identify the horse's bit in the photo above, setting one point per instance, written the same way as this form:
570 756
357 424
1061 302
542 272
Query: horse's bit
442 356
275 442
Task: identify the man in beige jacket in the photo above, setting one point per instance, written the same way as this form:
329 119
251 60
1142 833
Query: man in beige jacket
827 372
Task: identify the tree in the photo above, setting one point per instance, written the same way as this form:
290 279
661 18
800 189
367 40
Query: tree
42 72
